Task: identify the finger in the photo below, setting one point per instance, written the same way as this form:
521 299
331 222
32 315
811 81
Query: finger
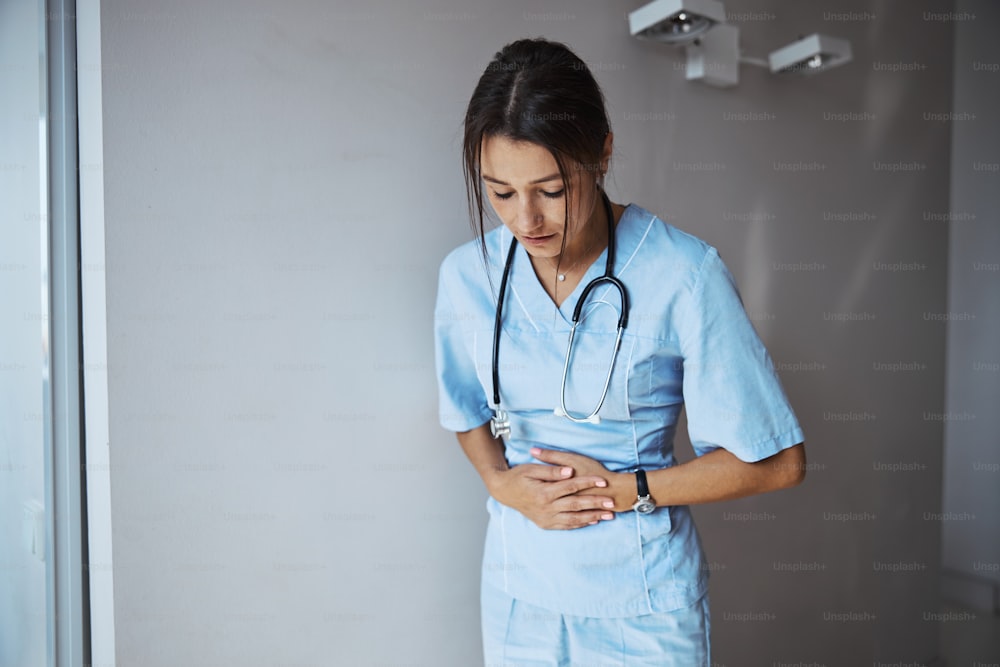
571 520
569 487
546 473
583 503
556 457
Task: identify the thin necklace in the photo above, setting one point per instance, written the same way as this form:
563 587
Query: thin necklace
561 277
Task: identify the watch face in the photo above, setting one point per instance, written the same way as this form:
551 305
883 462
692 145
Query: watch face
644 506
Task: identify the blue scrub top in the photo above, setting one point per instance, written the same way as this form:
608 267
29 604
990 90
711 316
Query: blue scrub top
688 341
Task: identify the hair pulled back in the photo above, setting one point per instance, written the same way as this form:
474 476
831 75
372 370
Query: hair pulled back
537 91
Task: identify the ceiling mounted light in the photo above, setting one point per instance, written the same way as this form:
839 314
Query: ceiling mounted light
675 21
809 55
712 45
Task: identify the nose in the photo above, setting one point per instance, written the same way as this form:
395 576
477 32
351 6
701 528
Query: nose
529 216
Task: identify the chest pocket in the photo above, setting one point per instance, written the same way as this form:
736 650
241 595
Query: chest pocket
646 376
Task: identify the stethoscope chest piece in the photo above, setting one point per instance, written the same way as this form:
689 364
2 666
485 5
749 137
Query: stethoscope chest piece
500 423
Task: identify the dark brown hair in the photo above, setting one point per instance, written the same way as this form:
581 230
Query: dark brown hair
537 91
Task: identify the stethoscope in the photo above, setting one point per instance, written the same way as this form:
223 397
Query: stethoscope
500 422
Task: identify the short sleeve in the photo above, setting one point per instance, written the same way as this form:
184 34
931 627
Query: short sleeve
462 402
733 397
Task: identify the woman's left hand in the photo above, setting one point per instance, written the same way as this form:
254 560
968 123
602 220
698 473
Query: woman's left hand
621 487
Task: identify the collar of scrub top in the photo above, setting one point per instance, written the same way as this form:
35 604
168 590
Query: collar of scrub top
500 422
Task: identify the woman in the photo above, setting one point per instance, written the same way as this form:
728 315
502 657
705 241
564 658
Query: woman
591 554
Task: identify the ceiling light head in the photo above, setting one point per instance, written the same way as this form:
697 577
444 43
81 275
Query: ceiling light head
675 21
812 54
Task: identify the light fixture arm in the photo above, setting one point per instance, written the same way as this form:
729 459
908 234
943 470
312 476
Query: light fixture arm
712 44
756 62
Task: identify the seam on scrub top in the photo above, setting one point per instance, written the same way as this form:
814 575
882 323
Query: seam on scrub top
475 359
503 535
638 529
506 631
630 257
642 561
517 296
628 261
775 439
699 283
635 442
524 309
628 398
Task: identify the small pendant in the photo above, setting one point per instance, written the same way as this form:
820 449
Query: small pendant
562 277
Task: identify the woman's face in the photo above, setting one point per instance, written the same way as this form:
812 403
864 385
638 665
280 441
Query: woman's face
525 189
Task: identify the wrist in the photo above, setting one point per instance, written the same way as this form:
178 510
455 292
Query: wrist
493 479
644 502
622 489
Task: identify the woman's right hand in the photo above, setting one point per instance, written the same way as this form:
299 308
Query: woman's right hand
547 495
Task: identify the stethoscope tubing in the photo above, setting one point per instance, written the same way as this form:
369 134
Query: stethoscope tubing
500 423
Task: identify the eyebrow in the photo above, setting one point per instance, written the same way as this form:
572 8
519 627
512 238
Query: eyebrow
550 177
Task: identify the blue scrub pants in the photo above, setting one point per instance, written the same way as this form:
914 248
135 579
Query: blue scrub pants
517 634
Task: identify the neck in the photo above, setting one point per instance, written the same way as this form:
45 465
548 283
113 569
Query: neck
581 250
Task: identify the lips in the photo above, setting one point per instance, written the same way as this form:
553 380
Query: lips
537 240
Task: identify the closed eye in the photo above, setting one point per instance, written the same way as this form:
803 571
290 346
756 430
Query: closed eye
545 193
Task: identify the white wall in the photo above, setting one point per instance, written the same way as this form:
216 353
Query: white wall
22 441
971 547
281 182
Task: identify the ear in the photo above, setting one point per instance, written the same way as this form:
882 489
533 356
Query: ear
606 153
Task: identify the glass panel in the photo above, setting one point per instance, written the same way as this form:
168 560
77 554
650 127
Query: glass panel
24 353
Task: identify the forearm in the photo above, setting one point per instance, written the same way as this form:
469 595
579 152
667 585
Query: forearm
550 496
715 476
485 453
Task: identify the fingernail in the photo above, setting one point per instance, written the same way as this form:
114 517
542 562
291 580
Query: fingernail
601 482
592 523
535 451
566 472
608 503
607 515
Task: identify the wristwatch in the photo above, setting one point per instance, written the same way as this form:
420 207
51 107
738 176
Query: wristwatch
645 504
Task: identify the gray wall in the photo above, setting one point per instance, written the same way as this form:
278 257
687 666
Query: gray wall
971 546
22 438
281 182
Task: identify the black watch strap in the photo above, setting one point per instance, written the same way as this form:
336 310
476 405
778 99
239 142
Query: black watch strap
641 484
